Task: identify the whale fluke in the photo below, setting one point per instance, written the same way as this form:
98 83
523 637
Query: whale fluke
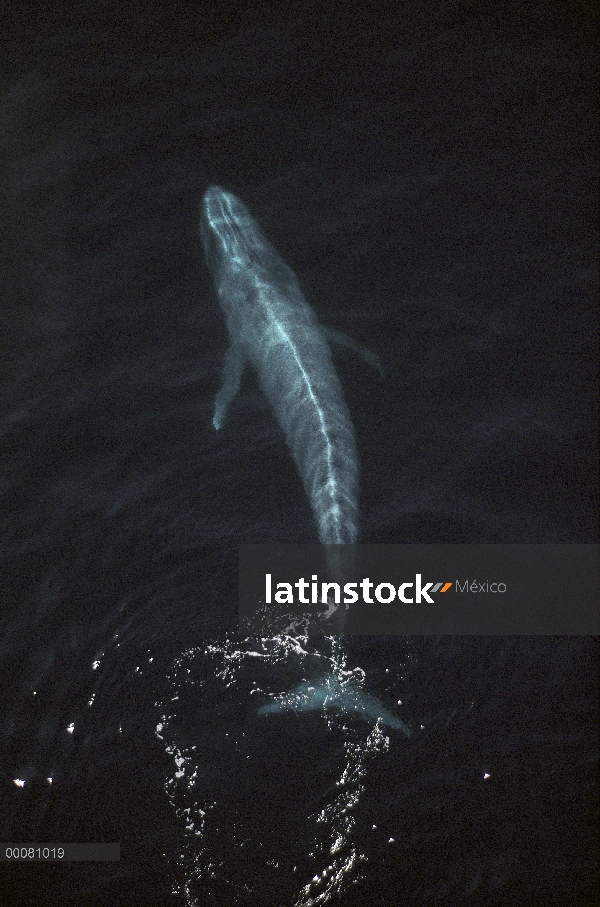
330 693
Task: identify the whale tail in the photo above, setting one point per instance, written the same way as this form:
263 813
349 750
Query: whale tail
331 693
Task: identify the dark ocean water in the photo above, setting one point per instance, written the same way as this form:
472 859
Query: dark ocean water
429 172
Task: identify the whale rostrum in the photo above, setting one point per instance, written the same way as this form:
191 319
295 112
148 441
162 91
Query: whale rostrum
332 693
272 327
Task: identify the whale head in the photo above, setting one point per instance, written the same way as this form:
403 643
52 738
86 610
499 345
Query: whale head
230 236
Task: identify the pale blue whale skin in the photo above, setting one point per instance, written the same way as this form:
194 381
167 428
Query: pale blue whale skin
331 693
272 327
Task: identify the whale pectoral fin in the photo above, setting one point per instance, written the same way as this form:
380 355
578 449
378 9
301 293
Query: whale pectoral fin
366 355
232 374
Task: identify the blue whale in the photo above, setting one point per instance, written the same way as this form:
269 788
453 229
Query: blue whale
272 327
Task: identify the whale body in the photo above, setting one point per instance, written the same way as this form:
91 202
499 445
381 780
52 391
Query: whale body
272 327
331 693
